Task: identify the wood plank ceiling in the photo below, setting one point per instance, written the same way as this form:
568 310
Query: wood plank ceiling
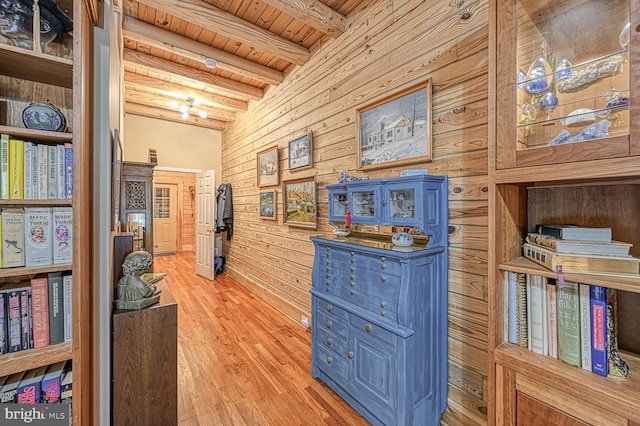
254 43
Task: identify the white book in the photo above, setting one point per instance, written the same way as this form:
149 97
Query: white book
28 164
67 288
505 334
535 286
552 325
34 171
62 235
60 168
528 279
585 325
513 304
43 163
12 238
37 236
545 316
52 173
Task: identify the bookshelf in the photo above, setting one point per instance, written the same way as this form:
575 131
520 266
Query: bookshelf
61 75
595 182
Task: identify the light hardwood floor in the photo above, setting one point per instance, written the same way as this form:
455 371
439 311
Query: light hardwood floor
240 361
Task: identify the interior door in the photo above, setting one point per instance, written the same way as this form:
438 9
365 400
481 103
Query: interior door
165 218
205 223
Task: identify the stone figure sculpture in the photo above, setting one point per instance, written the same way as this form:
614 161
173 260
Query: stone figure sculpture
133 291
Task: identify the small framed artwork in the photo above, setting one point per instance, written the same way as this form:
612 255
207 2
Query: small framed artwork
301 152
299 201
395 130
268 205
268 167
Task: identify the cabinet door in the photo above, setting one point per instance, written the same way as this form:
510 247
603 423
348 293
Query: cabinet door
363 202
401 204
337 204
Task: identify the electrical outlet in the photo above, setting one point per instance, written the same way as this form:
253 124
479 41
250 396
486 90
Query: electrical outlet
304 321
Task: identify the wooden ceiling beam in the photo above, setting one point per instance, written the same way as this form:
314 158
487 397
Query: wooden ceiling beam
176 91
162 114
208 16
197 78
159 38
313 13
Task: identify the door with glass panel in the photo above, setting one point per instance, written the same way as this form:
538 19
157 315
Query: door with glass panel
165 219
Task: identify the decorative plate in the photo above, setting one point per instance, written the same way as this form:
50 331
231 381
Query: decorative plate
44 116
402 239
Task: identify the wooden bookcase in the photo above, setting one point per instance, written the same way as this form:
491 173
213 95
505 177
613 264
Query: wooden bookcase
591 183
61 75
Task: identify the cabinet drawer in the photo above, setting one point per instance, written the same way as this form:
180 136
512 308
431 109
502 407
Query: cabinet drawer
332 341
332 364
327 307
384 308
384 265
389 289
331 322
369 329
354 294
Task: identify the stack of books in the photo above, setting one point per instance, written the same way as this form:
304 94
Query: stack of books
579 249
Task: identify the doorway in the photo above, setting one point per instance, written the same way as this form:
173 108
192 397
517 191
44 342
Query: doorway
165 219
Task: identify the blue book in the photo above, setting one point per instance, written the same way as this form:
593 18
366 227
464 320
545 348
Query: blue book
68 170
599 359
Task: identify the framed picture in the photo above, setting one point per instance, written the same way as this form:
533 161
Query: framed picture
299 201
395 130
268 205
301 152
268 167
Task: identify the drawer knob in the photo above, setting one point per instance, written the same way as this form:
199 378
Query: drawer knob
328 324
383 278
367 328
351 260
350 355
329 360
329 308
327 262
352 253
382 304
383 258
329 341
328 248
327 276
353 284
383 266
328 289
353 269
352 277
351 292
384 202
382 312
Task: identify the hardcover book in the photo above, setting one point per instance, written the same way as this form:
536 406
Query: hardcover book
28 159
552 319
599 360
12 238
66 394
614 248
39 251
585 325
521 310
67 289
16 169
14 320
62 235
568 311
40 313
573 232
56 310
617 366
4 167
25 317
582 264
9 390
68 178
43 179
30 389
52 172
61 171
538 320
513 316
3 323
51 383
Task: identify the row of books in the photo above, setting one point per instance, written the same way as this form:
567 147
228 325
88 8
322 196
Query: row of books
36 236
36 314
33 171
573 322
49 384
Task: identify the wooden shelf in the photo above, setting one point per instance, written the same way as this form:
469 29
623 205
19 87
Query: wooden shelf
25 271
40 67
43 203
33 358
523 265
39 135
617 395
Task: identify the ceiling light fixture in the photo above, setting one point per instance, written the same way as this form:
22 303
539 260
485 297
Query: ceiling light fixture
188 107
210 63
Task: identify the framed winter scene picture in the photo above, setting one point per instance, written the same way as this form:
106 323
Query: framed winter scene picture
268 170
268 205
301 152
395 130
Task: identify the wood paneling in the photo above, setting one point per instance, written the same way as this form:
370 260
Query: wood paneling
390 45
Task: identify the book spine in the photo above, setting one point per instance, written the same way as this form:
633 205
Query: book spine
599 362
539 255
14 324
552 321
513 316
68 178
34 171
43 162
13 238
551 231
521 301
38 241
40 304
67 284
62 235
28 189
24 318
537 323
585 325
16 169
3 324
505 308
56 312
568 312
61 172
4 167
52 173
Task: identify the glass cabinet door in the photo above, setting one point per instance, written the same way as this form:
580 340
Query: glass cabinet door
400 203
338 204
363 202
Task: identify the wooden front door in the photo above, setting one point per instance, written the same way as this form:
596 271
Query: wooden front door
205 223
165 218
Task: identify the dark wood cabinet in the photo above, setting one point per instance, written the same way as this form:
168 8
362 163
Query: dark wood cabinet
137 203
145 363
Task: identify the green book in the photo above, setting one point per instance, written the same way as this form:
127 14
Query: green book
56 308
568 317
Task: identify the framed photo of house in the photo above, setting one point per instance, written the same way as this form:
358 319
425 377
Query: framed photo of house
301 152
299 202
395 130
268 205
268 167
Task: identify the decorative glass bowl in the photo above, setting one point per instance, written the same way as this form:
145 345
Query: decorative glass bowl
402 239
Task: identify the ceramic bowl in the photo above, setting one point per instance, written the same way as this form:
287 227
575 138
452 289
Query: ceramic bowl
402 239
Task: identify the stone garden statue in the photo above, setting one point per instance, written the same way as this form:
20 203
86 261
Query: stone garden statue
133 291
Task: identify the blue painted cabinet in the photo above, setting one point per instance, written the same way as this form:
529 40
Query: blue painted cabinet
379 313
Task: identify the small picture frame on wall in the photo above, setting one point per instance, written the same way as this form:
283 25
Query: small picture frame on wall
268 167
300 203
301 152
395 130
268 205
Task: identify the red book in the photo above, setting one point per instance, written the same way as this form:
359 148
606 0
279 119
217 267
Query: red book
40 314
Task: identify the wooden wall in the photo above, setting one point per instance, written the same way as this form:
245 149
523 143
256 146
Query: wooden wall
391 45
186 205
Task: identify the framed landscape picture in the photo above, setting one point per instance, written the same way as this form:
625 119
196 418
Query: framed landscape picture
301 152
268 205
395 130
268 167
299 201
